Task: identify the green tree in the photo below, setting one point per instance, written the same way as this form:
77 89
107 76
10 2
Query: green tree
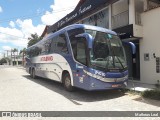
5 60
2 61
33 39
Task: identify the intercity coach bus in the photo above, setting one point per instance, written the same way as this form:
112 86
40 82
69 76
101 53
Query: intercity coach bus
82 56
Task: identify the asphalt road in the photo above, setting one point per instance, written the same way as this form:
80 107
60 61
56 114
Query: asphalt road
19 92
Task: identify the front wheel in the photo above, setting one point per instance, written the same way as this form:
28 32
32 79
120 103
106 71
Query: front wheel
67 82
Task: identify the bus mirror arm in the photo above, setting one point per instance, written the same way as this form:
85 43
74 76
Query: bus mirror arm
88 37
132 46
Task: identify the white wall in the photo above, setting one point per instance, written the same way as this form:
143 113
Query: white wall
131 12
137 29
150 44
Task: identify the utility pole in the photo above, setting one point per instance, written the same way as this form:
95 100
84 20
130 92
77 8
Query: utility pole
17 56
7 53
4 55
7 57
11 58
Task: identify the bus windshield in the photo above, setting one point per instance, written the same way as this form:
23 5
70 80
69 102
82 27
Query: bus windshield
107 53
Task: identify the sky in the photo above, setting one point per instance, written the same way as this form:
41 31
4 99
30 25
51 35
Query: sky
21 18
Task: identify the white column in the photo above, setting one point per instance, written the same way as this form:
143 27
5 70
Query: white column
145 4
132 12
110 16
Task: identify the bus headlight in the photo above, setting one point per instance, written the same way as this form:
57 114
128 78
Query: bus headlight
122 79
125 83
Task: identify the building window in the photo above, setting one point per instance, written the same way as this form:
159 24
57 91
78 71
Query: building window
100 19
120 14
139 8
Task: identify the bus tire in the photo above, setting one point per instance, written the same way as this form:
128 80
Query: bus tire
30 72
67 82
33 73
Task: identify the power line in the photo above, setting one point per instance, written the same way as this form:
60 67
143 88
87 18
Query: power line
33 15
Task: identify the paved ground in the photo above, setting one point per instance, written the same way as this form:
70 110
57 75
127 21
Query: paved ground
18 92
139 87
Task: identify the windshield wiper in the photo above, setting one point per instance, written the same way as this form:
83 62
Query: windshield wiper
120 62
115 55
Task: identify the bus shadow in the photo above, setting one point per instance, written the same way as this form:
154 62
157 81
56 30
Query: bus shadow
78 94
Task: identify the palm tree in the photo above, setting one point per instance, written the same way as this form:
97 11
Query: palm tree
23 52
14 50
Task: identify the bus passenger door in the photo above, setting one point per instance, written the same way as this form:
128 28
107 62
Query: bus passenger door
80 56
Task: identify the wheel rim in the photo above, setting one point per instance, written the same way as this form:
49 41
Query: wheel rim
67 82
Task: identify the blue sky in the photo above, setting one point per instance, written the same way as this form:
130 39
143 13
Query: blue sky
21 18
14 9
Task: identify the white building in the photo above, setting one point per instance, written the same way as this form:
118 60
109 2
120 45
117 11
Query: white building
135 20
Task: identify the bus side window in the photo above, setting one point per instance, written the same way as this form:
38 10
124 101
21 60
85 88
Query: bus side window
74 47
73 39
52 47
45 47
81 51
37 51
62 44
28 52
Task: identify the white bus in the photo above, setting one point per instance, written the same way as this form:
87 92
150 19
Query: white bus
82 56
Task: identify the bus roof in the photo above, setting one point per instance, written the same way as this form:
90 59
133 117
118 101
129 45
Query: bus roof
74 26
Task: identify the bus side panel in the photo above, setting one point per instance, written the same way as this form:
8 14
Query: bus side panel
49 70
51 66
86 79
80 79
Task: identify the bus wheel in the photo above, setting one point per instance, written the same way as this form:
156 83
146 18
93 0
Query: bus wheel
30 72
67 82
33 74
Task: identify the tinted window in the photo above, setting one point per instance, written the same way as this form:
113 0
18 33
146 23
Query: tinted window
53 44
33 52
45 46
81 51
73 39
59 44
62 44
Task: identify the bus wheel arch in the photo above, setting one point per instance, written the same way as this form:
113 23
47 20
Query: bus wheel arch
66 80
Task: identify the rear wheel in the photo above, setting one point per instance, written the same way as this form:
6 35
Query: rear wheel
33 74
67 82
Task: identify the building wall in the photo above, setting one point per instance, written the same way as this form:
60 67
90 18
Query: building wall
150 44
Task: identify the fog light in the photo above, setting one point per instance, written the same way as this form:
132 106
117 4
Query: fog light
125 83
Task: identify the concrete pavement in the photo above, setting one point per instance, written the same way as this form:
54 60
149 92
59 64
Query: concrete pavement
19 92
139 87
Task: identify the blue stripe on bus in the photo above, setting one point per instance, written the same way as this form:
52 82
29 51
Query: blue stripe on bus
116 75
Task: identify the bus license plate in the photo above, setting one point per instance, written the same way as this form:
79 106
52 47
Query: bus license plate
117 85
